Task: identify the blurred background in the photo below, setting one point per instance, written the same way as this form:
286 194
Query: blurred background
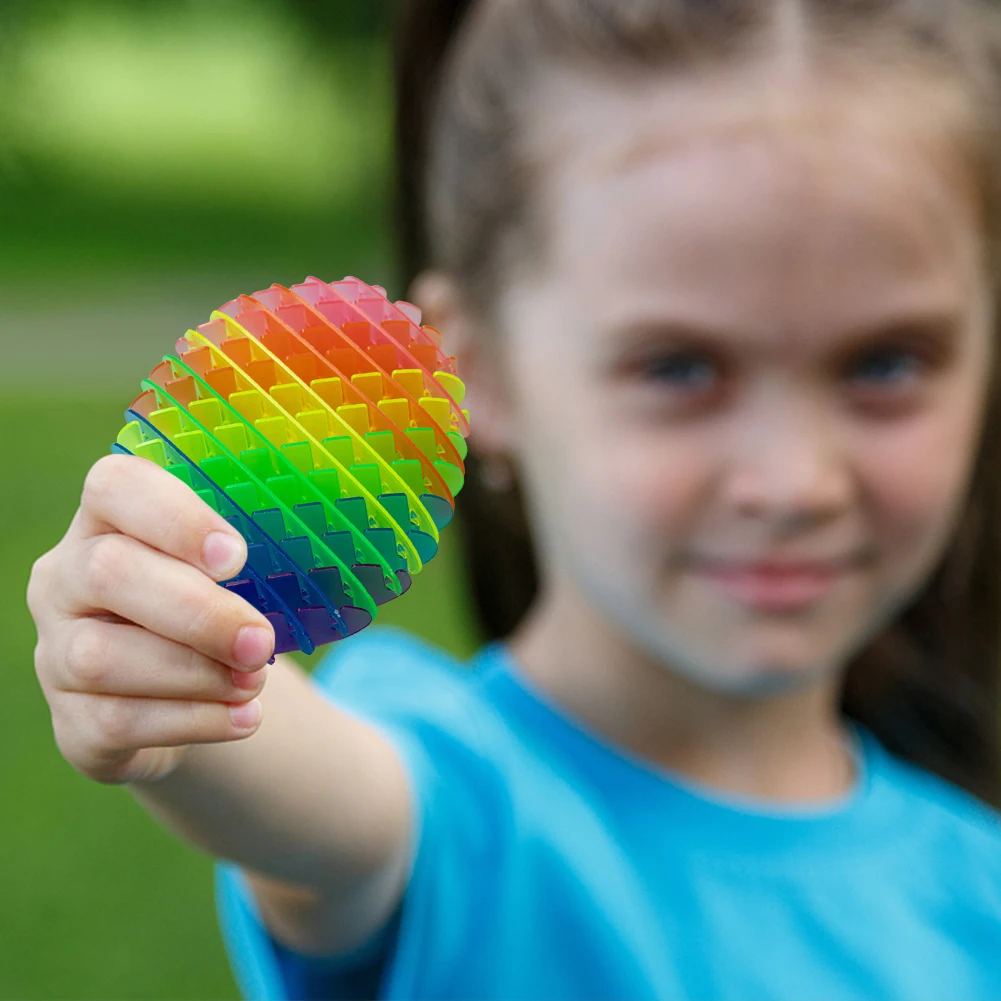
156 160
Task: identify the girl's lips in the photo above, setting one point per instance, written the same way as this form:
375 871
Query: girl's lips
774 587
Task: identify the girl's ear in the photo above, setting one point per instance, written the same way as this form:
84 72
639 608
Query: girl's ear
477 357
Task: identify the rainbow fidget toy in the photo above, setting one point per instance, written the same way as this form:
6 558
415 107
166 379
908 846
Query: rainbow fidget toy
323 422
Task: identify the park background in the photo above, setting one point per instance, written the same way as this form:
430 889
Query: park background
157 158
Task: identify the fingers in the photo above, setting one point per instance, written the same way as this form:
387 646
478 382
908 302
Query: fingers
118 574
111 658
110 738
136 497
140 653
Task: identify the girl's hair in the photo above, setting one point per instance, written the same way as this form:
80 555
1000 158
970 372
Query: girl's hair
928 686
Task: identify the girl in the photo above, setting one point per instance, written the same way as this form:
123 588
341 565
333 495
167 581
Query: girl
722 280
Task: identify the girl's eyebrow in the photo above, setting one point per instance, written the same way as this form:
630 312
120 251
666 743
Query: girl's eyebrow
937 333
639 333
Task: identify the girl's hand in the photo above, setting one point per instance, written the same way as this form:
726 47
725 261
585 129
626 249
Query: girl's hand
140 652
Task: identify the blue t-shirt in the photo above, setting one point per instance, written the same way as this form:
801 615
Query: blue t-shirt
549 864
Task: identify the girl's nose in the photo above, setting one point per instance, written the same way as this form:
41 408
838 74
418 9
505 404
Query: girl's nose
789 469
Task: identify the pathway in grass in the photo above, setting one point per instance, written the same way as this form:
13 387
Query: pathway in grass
102 337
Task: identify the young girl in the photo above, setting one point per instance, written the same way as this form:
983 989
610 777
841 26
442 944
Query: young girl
722 280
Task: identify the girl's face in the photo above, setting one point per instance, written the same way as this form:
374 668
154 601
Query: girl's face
746 379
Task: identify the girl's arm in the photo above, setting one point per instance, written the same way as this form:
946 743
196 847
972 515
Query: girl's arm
150 669
313 806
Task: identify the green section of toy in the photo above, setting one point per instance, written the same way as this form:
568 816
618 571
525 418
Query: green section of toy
264 504
336 520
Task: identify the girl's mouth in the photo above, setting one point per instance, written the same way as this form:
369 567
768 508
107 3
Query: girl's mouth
774 586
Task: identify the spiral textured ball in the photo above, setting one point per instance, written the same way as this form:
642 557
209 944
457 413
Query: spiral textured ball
323 422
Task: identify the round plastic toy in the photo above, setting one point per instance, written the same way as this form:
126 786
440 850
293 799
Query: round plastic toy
323 422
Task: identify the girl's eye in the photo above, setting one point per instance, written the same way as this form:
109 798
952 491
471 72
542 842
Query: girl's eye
688 371
886 368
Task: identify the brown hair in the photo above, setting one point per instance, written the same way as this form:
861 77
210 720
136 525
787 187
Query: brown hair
928 686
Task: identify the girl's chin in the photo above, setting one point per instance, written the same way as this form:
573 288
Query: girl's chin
763 677
769 661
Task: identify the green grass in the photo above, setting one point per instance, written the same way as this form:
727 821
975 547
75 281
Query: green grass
57 229
96 900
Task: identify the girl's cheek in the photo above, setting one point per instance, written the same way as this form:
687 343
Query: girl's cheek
649 488
602 502
913 482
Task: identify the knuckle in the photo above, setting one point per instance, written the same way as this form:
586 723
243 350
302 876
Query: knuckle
87 654
39 581
117 721
47 669
194 721
180 526
104 565
67 733
65 738
41 660
204 682
103 479
187 721
81 742
207 623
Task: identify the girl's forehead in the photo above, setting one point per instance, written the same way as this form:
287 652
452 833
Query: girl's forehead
814 205
613 119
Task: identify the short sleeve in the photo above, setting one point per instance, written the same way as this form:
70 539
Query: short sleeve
426 705
266 970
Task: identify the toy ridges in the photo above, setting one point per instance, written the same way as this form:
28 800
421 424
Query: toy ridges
324 423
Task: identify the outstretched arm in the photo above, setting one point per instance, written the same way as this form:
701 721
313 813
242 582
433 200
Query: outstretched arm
143 658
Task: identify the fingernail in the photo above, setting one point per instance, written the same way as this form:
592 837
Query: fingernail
253 645
246 715
249 680
221 553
